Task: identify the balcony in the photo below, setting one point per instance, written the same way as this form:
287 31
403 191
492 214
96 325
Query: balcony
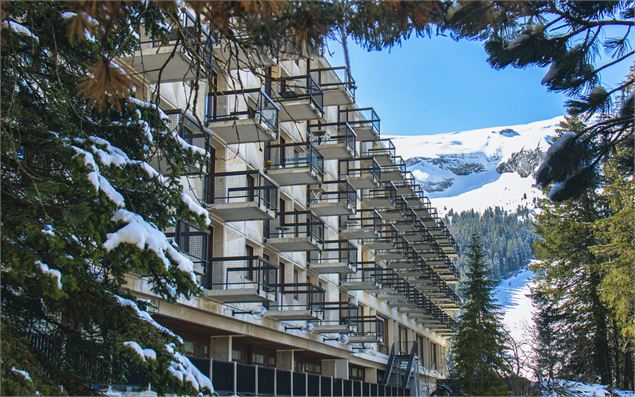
291 164
364 224
343 324
381 197
362 173
241 279
298 301
243 196
159 59
191 132
334 141
386 239
370 329
242 116
333 198
395 213
193 244
337 85
407 222
300 99
295 231
366 278
336 257
394 172
364 122
382 150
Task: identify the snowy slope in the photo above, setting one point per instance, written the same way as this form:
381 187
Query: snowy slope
479 168
513 295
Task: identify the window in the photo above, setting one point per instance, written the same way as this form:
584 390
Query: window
357 373
434 355
296 280
251 187
403 339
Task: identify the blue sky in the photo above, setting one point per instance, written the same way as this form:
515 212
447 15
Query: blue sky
440 85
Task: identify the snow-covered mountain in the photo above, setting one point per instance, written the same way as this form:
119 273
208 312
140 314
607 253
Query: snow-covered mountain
480 168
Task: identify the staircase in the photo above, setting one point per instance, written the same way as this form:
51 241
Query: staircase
401 367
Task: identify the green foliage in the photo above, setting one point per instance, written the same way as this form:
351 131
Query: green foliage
507 237
479 345
584 282
58 205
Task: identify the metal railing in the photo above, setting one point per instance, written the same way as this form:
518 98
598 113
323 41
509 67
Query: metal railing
192 243
295 224
360 167
386 192
244 186
334 77
306 296
331 133
361 117
194 32
335 251
301 87
237 272
343 193
362 219
253 104
367 271
284 156
379 147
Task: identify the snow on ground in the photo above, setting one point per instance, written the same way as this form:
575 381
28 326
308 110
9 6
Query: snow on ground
485 140
508 191
513 295
578 389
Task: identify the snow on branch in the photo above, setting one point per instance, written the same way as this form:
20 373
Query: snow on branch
97 180
19 29
144 354
144 235
145 316
183 370
56 274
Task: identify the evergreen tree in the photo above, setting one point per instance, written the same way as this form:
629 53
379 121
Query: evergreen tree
82 206
479 345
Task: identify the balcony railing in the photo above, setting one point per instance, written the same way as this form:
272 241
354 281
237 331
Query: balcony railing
332 198
298 301
337 318
295 231
335 141
191 132
361 173
294 163
381 197
364 224
395 172
364 121
370 329
242 116
367 277
382 150
192 243
301 98
336 256
241 279
243 195
336 83
157 58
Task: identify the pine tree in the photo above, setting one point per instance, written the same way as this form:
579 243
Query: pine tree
479 345
82 206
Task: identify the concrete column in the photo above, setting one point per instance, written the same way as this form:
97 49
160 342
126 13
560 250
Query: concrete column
370 375
221 348
336 368
285 359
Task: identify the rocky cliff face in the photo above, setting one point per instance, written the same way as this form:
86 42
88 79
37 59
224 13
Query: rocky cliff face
523 163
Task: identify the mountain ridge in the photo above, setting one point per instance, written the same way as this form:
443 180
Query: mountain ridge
481 168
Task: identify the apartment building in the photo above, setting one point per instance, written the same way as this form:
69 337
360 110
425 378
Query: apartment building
326 271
